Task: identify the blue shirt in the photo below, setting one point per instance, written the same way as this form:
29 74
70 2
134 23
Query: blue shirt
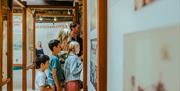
54 63
72 67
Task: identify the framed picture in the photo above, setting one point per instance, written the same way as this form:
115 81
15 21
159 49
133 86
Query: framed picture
150 59
93 15
17 38
93 63
96 45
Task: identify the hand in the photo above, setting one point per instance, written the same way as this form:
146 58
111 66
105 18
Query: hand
81 57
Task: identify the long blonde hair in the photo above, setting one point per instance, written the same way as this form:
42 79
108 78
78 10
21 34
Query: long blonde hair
63 34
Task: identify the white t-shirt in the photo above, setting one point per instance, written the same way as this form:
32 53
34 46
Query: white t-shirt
40 79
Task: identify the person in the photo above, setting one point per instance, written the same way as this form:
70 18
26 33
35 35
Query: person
75 35
73 68
39 49
54 71
63 36
42 64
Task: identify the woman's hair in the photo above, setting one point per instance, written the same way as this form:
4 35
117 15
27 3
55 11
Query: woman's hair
73 45
63 34
41 60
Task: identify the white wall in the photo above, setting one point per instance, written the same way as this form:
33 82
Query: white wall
123 19
48 31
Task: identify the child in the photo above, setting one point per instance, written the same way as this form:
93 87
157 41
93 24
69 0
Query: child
54 71
73 67
42 64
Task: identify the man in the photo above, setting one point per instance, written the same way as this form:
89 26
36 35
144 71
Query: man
75 35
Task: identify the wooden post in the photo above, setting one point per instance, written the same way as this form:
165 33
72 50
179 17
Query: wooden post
10 48
34 51
1 43
24 52
75 17
102 46
85 45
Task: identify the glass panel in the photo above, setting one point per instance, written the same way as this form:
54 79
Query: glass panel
29 34
17 51
4 88
4 61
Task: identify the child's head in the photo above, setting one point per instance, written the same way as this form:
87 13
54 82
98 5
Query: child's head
42 62
74 47
55 46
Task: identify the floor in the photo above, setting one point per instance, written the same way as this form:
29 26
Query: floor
17 81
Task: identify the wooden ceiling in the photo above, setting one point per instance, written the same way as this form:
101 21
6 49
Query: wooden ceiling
50 2
46 2
51 8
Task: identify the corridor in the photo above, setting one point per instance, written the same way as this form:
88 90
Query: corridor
90 45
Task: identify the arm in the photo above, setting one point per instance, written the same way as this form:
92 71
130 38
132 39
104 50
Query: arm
41 83
43 88
54 72
76 66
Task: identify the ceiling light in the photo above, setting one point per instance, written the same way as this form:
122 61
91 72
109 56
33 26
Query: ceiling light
69 12
40 18
55 19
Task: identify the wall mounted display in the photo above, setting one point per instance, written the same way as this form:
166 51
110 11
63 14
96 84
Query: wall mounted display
17 39
151 60
4 49
92 45
93 63
138 4
96 45
93 15
29 30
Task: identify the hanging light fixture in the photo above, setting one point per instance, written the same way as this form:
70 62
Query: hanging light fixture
40 18
69 12
55 19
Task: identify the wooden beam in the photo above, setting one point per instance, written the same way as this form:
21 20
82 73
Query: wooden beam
53 21
76 17
18 14
1 43
17 8
10 49
49 7
17 65
20 3
102 46
24 52
53 15
29 10
84 45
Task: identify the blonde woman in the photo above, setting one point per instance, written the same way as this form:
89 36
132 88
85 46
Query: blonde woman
64 37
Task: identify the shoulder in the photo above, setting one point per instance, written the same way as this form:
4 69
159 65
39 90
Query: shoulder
72 57
52 57
40 74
